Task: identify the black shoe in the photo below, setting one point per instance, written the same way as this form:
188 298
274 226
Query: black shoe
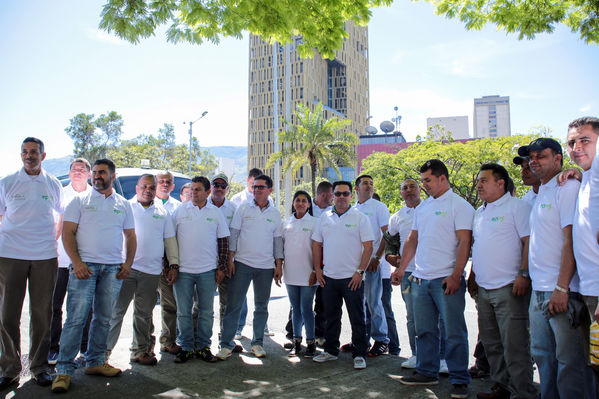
459 391
205 355
418 379
5 382
43 379
379 348
237 349
183 356
349 347
296 349
311 349
476 372
288 345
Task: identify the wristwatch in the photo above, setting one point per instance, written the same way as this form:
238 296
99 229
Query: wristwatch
174 267
360 272
523 273
377 258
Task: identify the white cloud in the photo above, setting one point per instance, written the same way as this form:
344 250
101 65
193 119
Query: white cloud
104 37
586 108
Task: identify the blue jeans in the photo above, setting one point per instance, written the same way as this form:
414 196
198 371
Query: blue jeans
430 302
243 316
96 290
302 313
373 293
394 348
558 350
238 288
334 293
204 285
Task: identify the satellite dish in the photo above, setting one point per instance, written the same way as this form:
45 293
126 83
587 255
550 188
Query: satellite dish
371 130
387 126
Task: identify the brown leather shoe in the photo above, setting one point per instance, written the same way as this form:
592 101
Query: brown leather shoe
171 348
146 359
497 392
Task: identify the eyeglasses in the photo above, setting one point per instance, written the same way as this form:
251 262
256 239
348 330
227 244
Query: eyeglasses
260 187
344 193
219 185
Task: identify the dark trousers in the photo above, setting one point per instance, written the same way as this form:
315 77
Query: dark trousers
60 292
391 324
16 276
319 319
169 313
334 293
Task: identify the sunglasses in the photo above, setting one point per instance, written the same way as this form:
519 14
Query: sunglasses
260 187
344 193
219 185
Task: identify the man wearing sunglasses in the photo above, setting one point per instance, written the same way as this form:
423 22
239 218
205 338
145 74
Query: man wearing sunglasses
257 247
345 237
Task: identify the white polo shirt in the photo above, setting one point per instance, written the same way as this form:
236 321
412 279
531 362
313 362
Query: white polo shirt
553 210
242 197
594 195
170 205
68 193
27 206
342 238
197 234
530 197
586 250
152 225
437 220
101 221
257 230
401 222
379 215
227 208
297 246
497 231
318 211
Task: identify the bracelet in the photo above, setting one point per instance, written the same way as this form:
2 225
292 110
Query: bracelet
561 289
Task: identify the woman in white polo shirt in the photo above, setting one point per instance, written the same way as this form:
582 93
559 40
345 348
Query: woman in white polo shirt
297 270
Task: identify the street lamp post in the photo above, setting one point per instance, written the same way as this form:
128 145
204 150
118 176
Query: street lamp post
190 137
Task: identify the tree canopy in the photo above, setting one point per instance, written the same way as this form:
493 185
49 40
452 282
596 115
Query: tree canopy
93 137
321 23
463 160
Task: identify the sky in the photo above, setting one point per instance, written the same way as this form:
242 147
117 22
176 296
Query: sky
56 63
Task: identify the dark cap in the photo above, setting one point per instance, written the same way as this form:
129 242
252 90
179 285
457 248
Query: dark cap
221 176
540 145
520 160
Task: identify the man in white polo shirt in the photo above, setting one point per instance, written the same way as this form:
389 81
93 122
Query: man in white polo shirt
556 334
203 255
582 141
378 215
500 267
344 237
257 247
154 233
28 200
440 239
247 195
164 187
324 198
79 174
93 230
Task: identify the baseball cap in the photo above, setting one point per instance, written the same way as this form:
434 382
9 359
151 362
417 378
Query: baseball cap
518 160
221 176
540 145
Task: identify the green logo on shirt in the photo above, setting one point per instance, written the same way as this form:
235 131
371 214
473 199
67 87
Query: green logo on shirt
47 197
545 206
497 219
118 212
157 217
441 213
211 219
351 226
306 229
270 220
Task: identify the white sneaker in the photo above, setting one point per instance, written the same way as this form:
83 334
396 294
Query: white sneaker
238 335
443 367
410 363
359 363
223 353
324 357
258 351
267 333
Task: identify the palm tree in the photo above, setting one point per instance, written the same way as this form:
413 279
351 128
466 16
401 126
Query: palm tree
315 142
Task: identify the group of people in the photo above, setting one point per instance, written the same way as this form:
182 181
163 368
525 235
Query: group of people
534 272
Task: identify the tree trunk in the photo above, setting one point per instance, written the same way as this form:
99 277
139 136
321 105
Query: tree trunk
313 168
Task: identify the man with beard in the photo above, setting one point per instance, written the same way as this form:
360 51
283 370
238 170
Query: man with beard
93 230
28 199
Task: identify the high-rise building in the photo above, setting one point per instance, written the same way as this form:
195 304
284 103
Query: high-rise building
492 117
279 79
456 125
